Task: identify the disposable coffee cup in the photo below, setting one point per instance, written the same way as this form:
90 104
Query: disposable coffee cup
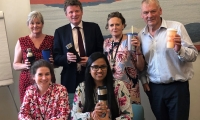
171 33
46 54
130 36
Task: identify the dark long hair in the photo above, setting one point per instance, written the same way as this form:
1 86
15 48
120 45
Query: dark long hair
90 86
43 63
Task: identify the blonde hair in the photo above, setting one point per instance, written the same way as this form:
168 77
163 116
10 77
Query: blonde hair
35 14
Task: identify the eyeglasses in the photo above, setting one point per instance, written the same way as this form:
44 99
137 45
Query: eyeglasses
96 67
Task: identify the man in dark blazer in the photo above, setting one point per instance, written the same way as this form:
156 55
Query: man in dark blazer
73 72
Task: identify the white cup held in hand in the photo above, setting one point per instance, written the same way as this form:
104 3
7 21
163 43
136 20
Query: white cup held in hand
171 33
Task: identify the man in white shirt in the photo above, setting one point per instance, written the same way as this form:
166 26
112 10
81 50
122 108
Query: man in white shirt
165 79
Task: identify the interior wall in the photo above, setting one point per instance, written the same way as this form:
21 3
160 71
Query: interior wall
195 91
15 13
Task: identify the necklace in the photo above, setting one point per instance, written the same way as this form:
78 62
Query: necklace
113 59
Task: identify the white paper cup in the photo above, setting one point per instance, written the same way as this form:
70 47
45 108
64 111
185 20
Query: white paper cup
171 33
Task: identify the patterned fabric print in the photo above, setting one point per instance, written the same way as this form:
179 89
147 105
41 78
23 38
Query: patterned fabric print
122 97
52 105
124 68
26 42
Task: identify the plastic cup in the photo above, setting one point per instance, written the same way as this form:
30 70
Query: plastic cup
171 33
46 54
130 36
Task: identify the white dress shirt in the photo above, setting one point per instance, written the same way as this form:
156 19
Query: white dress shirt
75 39
164 65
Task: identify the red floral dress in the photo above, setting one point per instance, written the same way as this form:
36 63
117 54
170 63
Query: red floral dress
125 68
26 42
53 105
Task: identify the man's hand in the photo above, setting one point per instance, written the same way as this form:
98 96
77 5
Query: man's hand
51 59
71 57
177 42
83 61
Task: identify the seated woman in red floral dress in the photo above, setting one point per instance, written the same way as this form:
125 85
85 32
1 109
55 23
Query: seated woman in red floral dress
44 100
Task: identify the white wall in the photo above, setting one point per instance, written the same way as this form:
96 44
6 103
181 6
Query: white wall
195 92
15 13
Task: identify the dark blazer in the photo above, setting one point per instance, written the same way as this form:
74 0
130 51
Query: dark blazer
63 36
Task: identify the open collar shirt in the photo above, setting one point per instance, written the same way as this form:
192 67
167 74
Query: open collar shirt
164 65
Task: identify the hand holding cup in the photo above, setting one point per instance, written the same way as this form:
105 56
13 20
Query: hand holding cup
177 42
136 43
99 110
132 41
71 57
27 64
46 54
51 59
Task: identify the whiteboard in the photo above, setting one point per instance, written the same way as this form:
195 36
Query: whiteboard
6 76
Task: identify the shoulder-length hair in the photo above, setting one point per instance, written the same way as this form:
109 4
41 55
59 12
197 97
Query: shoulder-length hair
90 86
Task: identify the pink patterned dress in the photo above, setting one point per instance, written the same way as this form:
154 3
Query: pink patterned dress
125 67
26 42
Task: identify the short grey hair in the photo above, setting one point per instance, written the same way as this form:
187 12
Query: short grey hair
35 14
151 1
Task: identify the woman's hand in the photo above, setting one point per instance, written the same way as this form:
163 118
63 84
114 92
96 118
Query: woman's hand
146 87
27 64
107 117
99 110
51 59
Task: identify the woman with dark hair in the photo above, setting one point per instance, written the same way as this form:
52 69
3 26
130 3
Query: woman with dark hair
44 100
86 105
125 63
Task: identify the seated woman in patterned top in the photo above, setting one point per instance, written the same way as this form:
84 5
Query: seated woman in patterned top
86 105
44 100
